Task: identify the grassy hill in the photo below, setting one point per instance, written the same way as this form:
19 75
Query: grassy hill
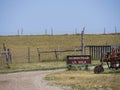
19 44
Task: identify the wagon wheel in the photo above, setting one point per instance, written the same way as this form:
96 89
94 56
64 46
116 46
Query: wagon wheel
98 69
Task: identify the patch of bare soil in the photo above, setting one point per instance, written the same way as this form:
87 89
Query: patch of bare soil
26 81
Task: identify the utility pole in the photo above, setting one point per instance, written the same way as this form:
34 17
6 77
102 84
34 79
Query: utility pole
104 30
45 31
52 31
82 41
76 31
83 45
115 30
18 32
22 31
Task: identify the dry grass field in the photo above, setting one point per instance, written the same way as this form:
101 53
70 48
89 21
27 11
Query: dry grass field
19 44
24 67
86 80
76 80
19 49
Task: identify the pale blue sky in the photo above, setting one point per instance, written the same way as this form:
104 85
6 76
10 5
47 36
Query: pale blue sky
34 16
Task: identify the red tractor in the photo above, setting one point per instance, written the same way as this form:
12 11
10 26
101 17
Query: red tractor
111 58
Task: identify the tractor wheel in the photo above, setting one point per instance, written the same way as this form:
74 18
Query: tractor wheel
98 69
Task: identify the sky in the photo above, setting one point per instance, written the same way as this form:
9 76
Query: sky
59 16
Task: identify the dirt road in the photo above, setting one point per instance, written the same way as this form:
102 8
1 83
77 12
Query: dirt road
26 81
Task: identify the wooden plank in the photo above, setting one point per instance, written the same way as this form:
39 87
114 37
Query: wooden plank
96 51
92 52
4 48
38 54
59 51
3 52
9 55
99 53
28 54
56 54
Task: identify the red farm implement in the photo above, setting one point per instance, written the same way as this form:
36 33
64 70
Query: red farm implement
111 58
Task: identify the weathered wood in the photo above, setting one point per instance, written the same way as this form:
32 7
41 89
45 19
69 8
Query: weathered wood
56 55
82 41
3 52
56 51
52 51
92 52
97 52
5 49
28 54
38 54
9 55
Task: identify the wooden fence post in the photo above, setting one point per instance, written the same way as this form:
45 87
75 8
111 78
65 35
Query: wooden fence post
4 47
83 45
82 41
6 54
9 54
56 54
28 54
38 54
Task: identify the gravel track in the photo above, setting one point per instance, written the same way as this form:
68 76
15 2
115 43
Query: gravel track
26 81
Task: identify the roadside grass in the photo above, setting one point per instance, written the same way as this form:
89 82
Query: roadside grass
86 80
20 67
34 66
